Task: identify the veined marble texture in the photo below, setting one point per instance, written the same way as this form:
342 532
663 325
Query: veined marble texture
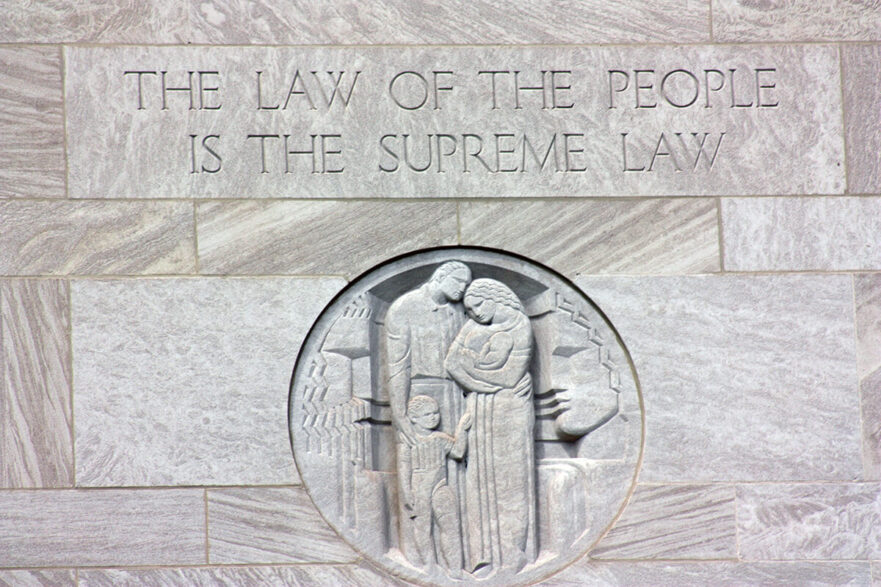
402 21
89 238
277 237
49 578
31 122
805 521
270 525
674 522
185 381
229 576
870 388
867 294
95 21
63 527
744 378
349 22
701 574
649 236
150 316
862 111
594 134
796 20
796 234
36 443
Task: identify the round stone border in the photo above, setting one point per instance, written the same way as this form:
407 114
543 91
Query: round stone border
507 261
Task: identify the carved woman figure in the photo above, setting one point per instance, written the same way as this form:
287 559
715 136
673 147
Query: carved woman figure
490 359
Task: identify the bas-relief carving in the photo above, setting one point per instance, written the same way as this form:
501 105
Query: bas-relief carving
463 415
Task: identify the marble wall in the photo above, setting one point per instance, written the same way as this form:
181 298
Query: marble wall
150 317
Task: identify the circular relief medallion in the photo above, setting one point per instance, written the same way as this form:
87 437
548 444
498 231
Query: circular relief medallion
465 415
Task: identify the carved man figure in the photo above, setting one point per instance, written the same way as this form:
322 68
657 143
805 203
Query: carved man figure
419 328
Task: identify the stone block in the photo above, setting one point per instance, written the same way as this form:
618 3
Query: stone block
700 574
867 294
648 236
256 122
56 528
31 122
744 378
316 237
862 116
402 22
97 21
673 522
94 238
185 381
795 21
36 441
270 525
809 521
800 234
870 388
295 575
48 578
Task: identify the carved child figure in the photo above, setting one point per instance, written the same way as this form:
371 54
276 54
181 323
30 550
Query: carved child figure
427 496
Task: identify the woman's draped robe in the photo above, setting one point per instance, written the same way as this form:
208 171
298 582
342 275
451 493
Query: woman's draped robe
500 499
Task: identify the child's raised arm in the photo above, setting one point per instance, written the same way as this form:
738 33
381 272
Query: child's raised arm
460 445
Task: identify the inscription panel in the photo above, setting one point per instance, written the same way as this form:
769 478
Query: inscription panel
393 122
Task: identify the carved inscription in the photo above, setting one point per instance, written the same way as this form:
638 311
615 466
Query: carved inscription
460 415
464 122
506 152
502 150
682 89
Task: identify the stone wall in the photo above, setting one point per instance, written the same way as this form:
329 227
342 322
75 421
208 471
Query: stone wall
151 310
